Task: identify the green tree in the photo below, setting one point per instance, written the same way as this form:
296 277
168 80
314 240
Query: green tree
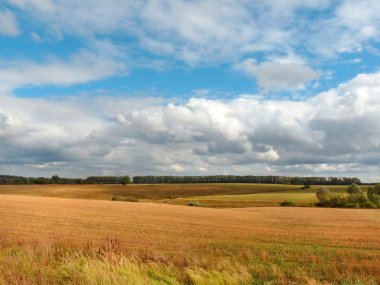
323 195
55 179
354 189
125 180
356 196
373 194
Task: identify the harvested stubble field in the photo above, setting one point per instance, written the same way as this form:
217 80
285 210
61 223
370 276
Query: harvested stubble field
73 241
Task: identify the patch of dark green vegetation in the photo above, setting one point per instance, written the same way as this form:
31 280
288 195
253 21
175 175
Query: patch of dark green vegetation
194 204
355 197
124 199
269 179
55 179
287 204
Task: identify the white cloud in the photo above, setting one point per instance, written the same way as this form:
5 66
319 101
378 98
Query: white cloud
36 37
216 31
336 132
280 74
44 5
353 26
8 24
79 68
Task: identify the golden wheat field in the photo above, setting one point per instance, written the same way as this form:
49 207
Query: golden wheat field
74 241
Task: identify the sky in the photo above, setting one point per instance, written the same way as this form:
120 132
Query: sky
188 87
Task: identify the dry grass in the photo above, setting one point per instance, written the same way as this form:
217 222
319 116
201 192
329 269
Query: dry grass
283 245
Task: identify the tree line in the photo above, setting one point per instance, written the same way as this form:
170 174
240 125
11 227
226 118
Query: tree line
11 179
354 198
246 179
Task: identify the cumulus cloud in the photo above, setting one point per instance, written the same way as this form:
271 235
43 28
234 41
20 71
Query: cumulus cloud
8 24
335 132
279 75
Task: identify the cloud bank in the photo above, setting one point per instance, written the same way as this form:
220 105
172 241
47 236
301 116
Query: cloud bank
335 132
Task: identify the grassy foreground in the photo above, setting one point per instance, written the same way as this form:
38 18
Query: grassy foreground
72 241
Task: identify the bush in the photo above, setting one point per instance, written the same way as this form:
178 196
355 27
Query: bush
287 204
358 198
194 204
373 194
124 199
355 199
354 189
337 201
368 205
306 186
350 205
323 195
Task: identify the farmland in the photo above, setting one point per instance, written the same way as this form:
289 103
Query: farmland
143 191
88 239
303 245
299 196
209 195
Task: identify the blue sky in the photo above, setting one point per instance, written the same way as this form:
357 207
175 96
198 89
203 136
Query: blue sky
190 87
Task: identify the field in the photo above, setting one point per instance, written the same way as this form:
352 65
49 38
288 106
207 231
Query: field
297 195
88 239
250 200
142 191
223 195
170 192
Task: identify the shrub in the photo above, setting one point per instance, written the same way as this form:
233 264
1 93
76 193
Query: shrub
124 199
368 205
323 195
354 189
194 204
358 198
373 194
306 186
350 205
287 204
337 201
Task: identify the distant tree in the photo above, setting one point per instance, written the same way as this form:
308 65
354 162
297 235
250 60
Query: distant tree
55 179
373 194
306 186
125 180
323 195
354 189
356 196
337 201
